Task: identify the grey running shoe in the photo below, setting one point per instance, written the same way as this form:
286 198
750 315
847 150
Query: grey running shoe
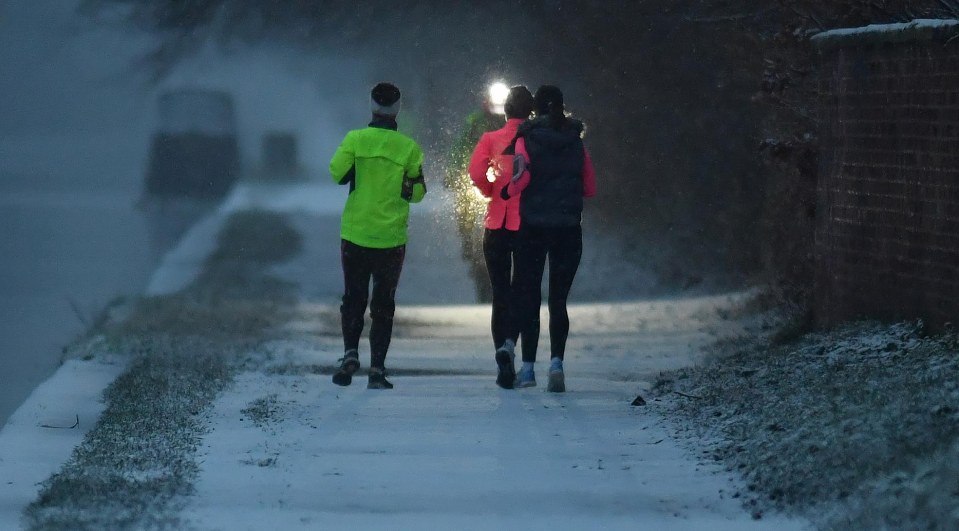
347 365
525 378
506 375
378 379
557 381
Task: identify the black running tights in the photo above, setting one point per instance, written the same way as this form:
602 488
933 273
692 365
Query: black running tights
360 264
563 247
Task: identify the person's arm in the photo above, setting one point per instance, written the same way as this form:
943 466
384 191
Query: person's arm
589 176
521 176
343 164
480 164
414 185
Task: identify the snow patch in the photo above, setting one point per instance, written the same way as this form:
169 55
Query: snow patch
874 404
38 437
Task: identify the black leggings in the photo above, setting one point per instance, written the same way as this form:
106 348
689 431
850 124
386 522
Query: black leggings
564 248
498 248
359 265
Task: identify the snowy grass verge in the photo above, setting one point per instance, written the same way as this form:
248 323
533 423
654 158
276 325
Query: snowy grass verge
856 428
134 468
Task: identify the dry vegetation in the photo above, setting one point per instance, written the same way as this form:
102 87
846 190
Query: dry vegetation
854 428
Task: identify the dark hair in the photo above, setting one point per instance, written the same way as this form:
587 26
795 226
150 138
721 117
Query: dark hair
519 102
548 101
385 94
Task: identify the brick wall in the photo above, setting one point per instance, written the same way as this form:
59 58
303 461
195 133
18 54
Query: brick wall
887 235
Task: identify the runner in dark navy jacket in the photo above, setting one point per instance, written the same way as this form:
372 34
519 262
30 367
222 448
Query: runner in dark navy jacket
552 174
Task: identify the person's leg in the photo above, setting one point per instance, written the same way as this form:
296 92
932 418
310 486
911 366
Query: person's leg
498 251
529 262
386 276
565 252
356 280
531 331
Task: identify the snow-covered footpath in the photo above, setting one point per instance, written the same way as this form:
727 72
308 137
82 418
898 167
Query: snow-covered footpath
286 449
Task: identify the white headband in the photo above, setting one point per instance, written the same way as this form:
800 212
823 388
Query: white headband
388 110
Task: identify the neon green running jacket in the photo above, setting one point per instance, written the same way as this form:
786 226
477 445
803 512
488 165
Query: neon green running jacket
384 169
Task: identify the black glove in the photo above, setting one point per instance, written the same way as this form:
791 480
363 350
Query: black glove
408 182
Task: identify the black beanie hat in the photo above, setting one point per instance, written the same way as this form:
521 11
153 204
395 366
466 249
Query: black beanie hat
548 97
385 99
519 102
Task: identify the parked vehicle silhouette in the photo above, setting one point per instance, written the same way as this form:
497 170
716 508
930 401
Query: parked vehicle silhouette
193 163
194 153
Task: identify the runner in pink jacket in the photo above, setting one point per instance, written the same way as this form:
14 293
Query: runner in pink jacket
489 162
491 171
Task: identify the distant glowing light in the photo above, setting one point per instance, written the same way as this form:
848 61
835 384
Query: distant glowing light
491 174
498 92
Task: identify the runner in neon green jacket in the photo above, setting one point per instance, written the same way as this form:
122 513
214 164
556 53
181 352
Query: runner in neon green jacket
384 169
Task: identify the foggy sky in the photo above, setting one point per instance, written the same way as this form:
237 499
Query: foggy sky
76 117
78 109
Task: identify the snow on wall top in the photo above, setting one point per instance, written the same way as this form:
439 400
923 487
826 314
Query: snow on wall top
917 30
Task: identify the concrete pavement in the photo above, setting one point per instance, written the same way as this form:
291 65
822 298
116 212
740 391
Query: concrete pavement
287 449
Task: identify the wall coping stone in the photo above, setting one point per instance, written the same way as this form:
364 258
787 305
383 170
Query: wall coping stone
918 30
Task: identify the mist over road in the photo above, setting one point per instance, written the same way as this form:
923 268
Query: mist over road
72 142
73 147
75 129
